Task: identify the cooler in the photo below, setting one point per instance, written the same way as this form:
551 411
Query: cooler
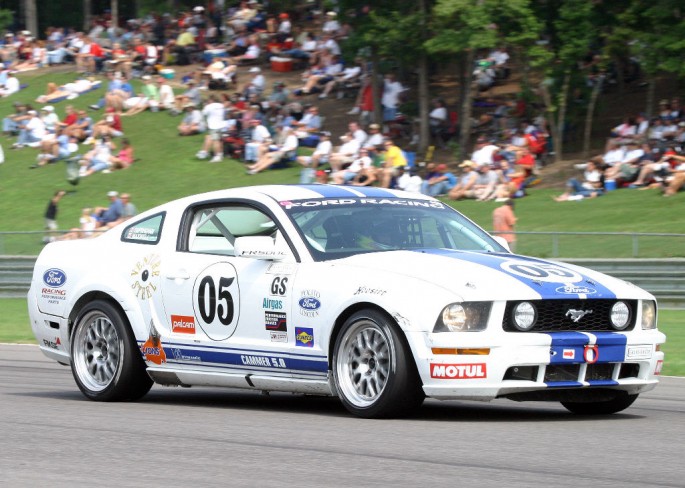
282 65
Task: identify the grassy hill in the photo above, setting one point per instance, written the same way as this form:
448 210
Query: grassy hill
167 169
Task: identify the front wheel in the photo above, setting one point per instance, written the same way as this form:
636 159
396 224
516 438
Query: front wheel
105 360
619 403
373 368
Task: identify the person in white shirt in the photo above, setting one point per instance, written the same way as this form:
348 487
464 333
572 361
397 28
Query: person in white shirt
391 97
357 132
31 133
214 115
362 163
286 150
408 180
258 135
484 151
11 86
345 154
166 94
321 154
614 154
375 138
331 26
50 119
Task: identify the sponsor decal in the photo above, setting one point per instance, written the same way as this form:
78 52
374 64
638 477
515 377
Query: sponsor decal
278 336
575 290
304 337
659 365
271 304
639 352
576 315
152 348
262 252
365 290
52 344
310 303
183 324
459 371
53 295
281 268
141 234
279 286
145 276
569 354
267 362
591 354
54 278
179 355
275 321
361 201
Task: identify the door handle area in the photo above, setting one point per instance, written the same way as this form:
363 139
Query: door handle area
179 275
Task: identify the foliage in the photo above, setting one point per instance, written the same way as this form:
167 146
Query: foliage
5 19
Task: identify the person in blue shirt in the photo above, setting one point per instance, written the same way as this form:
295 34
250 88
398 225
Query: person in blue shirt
440 183
111 214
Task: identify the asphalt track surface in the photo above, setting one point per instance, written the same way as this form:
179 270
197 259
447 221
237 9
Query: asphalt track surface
50 435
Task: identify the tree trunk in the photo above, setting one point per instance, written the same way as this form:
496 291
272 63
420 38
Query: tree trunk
377 116
550 112
466 104
87 9
651 89
115 13
561 117
32 18
424 90
620 80
590 115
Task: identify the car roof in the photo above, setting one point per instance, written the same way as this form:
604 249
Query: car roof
307 192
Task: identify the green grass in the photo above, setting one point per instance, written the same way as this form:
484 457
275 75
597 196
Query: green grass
15 328
168 169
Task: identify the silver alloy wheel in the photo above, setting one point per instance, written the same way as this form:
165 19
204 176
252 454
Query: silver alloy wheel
97 351
366 358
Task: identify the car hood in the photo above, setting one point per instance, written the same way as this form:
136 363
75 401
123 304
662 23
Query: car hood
496 276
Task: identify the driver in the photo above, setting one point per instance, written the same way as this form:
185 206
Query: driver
380 236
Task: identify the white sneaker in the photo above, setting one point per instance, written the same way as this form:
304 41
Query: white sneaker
216 159
354 111
90 140
201 155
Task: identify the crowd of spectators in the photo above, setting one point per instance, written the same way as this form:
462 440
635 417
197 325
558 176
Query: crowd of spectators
223 98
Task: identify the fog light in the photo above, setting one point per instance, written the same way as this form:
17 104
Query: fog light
525 316
620 315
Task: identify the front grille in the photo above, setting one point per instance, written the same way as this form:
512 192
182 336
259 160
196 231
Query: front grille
555 315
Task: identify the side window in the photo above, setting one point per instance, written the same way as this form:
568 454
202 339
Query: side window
146 231
214 229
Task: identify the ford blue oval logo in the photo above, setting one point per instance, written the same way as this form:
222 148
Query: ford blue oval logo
54 277
575 290
310 303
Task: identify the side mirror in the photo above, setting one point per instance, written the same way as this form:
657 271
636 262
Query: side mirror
502 242
260 247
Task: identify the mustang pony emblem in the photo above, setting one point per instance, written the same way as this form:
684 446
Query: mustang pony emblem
576 315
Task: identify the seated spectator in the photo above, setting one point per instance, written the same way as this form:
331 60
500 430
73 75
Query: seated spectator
10 124
345 154
111 214
590 187
10 87
31 131
124 158
321 154
110 126
191 95
286 150
408 180
166 94
346 176
440 183
394 159
251 54
438 121
656 173
466 182
331 26
321 76
258 135
82 129
147 98
87 222
57 148
97 159
374 138
627 169
193 122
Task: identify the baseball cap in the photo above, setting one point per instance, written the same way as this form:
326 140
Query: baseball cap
468 164
112 193
255 69
325 133
48 108
374 126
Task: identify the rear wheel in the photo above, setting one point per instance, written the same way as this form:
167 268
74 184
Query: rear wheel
617 404
105 360
373 368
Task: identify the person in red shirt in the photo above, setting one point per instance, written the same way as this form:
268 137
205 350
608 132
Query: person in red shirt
97 57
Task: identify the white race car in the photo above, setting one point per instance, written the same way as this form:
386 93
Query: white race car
376 296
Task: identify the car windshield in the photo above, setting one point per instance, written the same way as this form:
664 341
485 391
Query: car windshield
336 228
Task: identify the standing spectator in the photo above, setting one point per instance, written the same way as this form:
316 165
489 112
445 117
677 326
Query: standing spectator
51 216
214 115
503 222
391 97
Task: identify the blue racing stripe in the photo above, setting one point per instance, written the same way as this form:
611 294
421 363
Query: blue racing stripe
567 347
550 280
611 347
564 384
374 192
330 191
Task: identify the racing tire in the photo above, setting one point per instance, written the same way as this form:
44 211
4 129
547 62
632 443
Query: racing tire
617 404
105 359
373 369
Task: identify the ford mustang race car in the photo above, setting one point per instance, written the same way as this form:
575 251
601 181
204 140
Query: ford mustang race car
376 296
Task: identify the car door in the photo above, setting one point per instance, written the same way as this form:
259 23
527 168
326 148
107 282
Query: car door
221 309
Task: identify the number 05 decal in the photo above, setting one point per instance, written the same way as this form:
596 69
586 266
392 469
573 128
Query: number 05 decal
547 272
216 301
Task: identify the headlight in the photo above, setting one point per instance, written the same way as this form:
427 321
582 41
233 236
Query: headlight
620 315
463 317
524 316
648 314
